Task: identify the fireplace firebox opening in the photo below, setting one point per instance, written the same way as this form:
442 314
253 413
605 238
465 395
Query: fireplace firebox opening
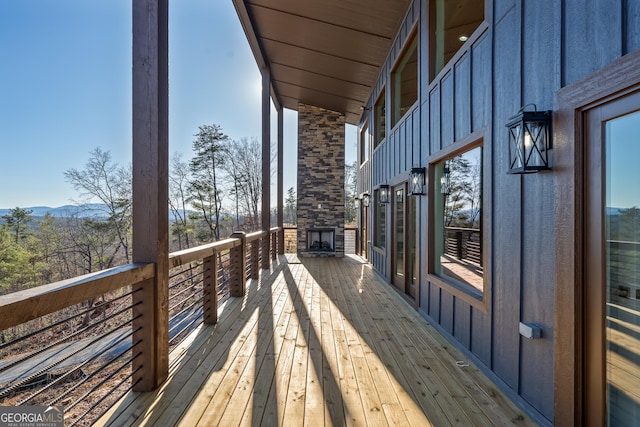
321 240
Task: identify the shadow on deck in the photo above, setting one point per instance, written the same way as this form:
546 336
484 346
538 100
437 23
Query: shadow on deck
318 342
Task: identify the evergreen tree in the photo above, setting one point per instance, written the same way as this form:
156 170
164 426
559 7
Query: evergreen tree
17 221
290 207
205 192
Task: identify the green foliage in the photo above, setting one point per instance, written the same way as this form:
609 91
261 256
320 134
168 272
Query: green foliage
350 191
17 221
290 207
205 192
629 225
15 263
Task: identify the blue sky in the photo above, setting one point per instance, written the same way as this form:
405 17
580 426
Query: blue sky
65 88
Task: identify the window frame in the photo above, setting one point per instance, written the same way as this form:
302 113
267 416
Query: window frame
464 291
437 66
411 46
365 143
380 227
380 126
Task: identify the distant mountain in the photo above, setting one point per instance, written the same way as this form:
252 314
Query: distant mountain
88 210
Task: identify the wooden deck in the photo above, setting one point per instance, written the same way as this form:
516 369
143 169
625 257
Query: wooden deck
319 342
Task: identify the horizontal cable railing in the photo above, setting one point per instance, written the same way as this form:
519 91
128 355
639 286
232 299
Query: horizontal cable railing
77 343
71 343
623 272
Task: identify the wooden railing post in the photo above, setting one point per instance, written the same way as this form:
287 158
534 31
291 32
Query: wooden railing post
238 267
281 241
210 289
459 244
273 236
255 259
266 262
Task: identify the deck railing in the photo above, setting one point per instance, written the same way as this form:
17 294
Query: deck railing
463 244
77 343
623 260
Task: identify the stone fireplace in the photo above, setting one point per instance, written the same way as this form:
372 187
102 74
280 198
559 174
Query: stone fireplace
321 240
320 211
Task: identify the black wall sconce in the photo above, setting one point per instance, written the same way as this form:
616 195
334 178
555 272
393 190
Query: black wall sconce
416 182
529 141
365 200
445 180
383 194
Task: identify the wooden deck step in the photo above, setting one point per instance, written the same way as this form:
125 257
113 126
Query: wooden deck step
319 342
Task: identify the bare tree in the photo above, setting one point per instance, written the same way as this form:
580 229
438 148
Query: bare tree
109 183
244 169
178 194
350 182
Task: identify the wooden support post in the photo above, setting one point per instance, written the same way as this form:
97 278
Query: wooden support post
266 163
255 259
238 267
150 241
210 289
280 199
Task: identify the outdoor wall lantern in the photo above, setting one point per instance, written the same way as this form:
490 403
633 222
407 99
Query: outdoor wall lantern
365 200
529 141
416 182
445 180
384 194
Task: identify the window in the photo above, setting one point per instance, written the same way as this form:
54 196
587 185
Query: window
364 143
405 82
379 120
453 23
457 221
381 221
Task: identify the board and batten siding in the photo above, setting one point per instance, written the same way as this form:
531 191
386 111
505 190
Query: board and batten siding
523 53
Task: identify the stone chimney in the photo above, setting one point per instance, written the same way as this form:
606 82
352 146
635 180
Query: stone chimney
320 190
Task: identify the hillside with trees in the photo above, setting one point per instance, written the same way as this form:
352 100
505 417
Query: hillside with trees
216 191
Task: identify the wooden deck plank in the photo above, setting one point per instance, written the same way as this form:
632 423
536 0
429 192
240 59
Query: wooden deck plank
296 396
396 412
315 411
273 415
245 399
393 378
320 342
266 373
330 370
419 368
